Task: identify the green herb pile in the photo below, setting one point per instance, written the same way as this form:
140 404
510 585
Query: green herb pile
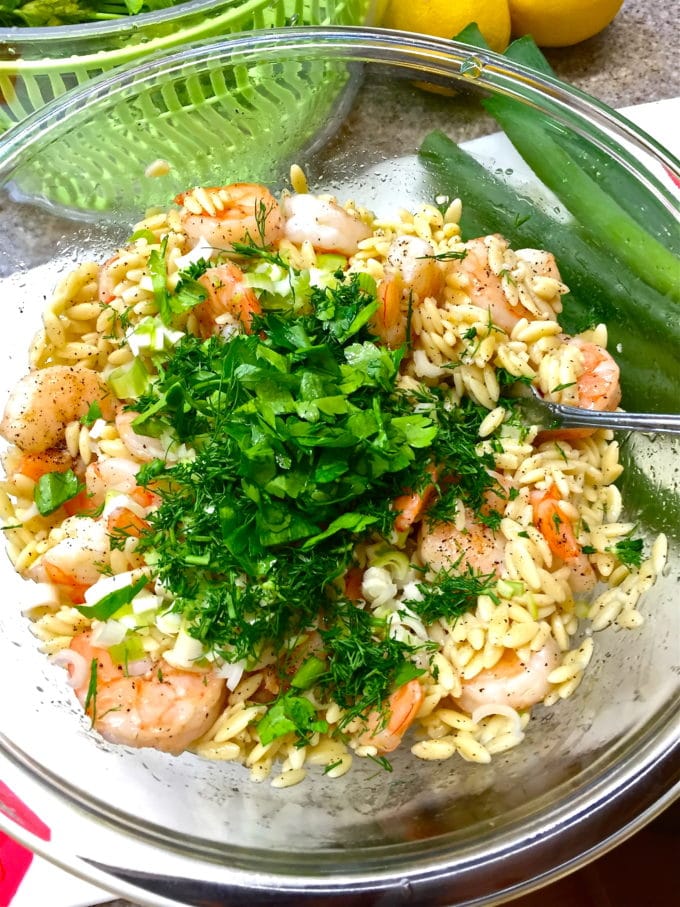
42 13
302 441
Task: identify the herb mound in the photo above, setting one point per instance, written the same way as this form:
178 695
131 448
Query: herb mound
302 440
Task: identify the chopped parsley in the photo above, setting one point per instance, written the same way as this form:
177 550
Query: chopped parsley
54 489
628 551
290 713
93 413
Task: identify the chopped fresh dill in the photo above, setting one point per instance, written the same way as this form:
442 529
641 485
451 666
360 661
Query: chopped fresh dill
452 593
449 255
561 387
252 250
91 695
561 452
383 762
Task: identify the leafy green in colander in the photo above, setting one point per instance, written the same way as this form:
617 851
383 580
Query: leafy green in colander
41 13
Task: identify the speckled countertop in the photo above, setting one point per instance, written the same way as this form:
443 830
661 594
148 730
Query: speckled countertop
633 61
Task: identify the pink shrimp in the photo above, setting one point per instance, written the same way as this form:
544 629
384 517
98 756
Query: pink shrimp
411 506
46 400
224 215
230 303
412 274
83 553
110 474
556 528
402 708
442 546
598 384
161 706
323 223
511 682
76 562
485 287
597 388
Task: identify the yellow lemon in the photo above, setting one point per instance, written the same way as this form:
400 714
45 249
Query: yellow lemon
445 18
560 23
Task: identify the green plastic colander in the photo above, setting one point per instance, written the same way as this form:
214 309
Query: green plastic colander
38 65
227 111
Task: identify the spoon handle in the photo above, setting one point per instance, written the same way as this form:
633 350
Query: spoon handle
572 416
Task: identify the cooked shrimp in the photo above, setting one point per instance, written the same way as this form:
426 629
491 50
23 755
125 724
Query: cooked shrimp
224 215
76 562
442 546
555 526
231 302
413 258
323 223
512 682
112 474
130 506
35 465
162 707
412 274
410 507
143 447
45 401
352 584
402 709
598 385
540 263
485 288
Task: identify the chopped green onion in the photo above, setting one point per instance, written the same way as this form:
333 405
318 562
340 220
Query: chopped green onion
108 605
129 381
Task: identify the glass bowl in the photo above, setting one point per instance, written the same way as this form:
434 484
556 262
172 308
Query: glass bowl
167 830
40 64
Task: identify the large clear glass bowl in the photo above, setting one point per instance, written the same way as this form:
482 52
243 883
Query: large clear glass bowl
350 107
39 64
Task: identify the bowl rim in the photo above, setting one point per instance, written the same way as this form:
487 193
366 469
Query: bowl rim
446 58
640 781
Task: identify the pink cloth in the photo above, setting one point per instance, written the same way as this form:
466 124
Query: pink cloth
15 860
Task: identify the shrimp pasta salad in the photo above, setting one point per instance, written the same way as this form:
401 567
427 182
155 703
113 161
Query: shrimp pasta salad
270 479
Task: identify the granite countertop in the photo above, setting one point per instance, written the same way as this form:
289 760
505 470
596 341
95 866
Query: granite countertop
633 61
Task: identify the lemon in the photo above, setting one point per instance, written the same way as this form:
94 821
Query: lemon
445 18
560 23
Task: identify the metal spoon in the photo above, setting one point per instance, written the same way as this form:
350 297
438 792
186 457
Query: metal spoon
548 415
